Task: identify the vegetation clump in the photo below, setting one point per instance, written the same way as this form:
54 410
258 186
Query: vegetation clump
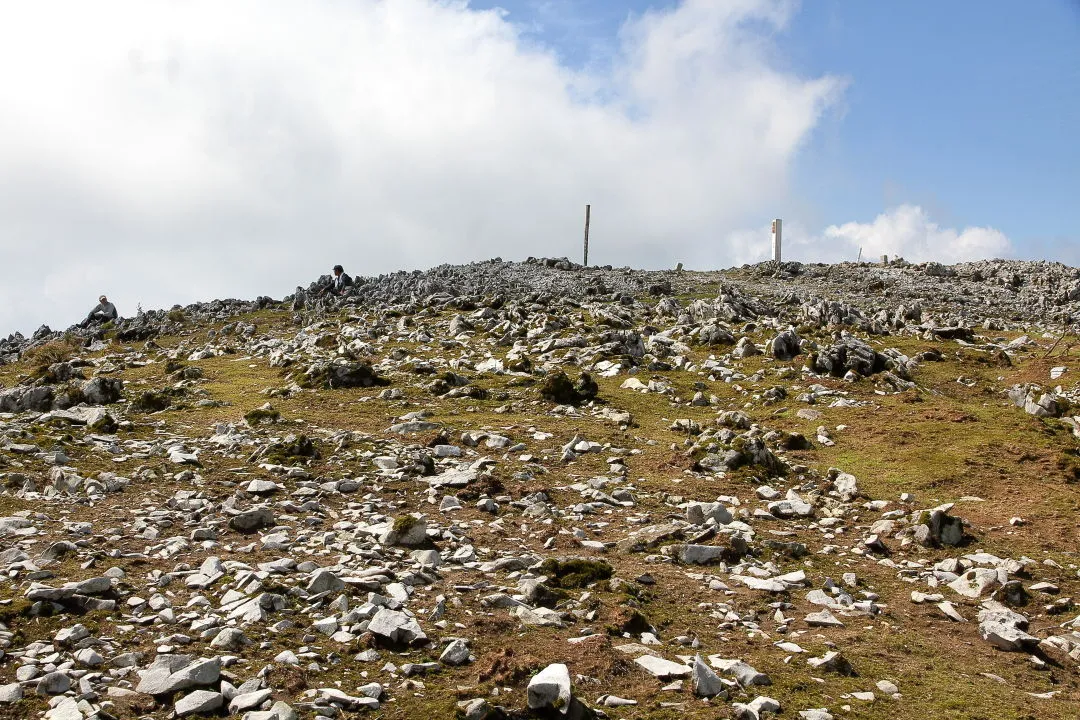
341 375
291 451
106 424
794 441
1069 463
404 524
507 668
41 358
520 364
151 401
262 414
628 620
575 572
558 388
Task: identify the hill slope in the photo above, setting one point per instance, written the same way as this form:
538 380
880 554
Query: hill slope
844 491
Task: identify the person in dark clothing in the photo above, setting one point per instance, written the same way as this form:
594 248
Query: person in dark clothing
103 312
339 284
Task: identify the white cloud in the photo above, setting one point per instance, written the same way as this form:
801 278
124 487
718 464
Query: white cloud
907 231
167 152
904 231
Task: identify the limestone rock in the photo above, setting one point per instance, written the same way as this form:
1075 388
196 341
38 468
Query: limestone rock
550 688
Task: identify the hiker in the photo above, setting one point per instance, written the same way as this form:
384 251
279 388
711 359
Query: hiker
104 312
340 283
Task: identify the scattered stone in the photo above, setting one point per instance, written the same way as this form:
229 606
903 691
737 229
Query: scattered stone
406 530
823 619
1005 628
223 534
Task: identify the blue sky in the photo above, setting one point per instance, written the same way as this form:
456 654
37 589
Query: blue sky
969 109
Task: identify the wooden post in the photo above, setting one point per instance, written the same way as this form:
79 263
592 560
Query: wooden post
588 213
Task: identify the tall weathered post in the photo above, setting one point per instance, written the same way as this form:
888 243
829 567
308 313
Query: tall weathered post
588 213
776 250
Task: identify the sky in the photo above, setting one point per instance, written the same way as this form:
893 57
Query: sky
163 152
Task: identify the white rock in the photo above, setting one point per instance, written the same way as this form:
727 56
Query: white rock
249 701
10 693
976 582
707 684
823 619
66 709
615 701
887 687
550 688
1004 628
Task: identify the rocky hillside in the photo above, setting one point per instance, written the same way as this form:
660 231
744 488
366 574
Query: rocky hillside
541 490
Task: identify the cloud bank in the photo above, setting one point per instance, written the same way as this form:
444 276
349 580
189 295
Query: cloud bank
905 231
167 152
908 232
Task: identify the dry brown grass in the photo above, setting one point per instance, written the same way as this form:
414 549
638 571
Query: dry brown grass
39 359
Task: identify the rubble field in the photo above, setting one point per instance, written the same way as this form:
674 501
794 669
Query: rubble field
540 490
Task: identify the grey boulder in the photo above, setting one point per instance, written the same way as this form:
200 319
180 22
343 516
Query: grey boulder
396 627
252 520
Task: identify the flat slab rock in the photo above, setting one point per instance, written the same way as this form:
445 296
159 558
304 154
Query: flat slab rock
663 669
823 619
454 478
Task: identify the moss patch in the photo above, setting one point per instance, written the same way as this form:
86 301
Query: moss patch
259 415
329 376
404 524
156 400
575 572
